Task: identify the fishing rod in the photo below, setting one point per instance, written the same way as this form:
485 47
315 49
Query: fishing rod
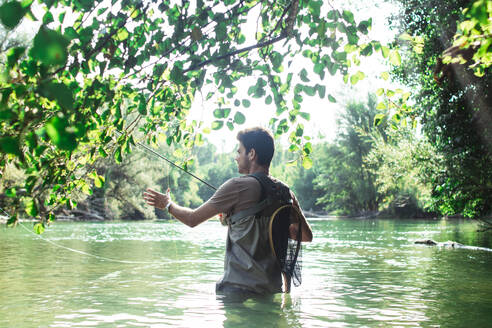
172 163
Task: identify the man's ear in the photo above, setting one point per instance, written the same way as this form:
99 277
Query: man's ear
252 154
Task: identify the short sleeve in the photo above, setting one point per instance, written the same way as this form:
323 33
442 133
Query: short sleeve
226 197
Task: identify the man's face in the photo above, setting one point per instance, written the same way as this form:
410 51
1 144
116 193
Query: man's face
242 159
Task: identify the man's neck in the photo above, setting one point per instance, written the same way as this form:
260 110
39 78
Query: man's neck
258 169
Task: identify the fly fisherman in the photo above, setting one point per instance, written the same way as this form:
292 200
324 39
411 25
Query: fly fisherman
247 203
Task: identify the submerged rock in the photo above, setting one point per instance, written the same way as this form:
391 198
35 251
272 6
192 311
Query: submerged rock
450 244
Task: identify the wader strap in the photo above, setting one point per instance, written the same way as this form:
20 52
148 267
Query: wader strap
249 211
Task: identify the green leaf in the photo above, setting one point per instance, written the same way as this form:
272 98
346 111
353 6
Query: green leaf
117 155
357 77
305 115
332 99
378 119
142 105
348 16
99 181
385 51
218 113
307 162
303 74
50 47
299 131
246 103
30 207
10 145
61 134
11 14
239 118
381 105
268 100
310 91
48 18
60 92
50 217
39 228
395 58
385 75
13 55
216 125
380 91
121 35
321 90
10 192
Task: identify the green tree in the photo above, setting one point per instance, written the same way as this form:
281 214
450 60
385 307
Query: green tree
404 166
347 183
452 102
95 68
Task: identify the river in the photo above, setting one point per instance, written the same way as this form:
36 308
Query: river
356 273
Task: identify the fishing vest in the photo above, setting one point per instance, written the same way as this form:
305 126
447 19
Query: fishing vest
250 264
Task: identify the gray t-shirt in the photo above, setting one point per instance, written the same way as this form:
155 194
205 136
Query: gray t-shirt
236 194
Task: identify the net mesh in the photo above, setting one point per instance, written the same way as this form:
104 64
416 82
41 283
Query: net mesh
287 243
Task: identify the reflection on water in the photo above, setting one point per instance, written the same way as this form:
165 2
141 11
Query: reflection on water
355 273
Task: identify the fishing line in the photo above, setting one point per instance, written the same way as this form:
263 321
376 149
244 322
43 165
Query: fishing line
76 250
106 258
172 163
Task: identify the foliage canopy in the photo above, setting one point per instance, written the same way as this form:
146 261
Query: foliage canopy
100 75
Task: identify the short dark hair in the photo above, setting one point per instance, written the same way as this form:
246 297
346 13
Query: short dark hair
259 139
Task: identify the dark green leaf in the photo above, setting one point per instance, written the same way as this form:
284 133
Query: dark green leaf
11 14
13 55
303 74
50 47
10 192
60 92
10 145
48 18
142 105
61 134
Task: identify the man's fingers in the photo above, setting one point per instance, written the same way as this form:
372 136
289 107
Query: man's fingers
151 191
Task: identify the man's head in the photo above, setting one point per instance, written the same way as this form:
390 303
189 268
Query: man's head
257 145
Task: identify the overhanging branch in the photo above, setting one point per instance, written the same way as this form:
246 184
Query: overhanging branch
235 52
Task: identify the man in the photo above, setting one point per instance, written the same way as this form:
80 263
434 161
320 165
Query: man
249 264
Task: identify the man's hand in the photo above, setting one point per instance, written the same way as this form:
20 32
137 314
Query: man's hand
156 199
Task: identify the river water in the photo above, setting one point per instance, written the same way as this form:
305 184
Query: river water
356 273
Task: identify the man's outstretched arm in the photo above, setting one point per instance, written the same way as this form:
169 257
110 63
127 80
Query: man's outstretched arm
190 217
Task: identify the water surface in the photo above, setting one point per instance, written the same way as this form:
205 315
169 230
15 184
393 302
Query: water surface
162 274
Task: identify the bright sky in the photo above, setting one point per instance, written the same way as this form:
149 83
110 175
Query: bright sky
322 124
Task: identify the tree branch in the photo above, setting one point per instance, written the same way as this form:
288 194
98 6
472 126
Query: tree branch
235 52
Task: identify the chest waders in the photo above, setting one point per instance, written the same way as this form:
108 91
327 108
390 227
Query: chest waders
260 256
